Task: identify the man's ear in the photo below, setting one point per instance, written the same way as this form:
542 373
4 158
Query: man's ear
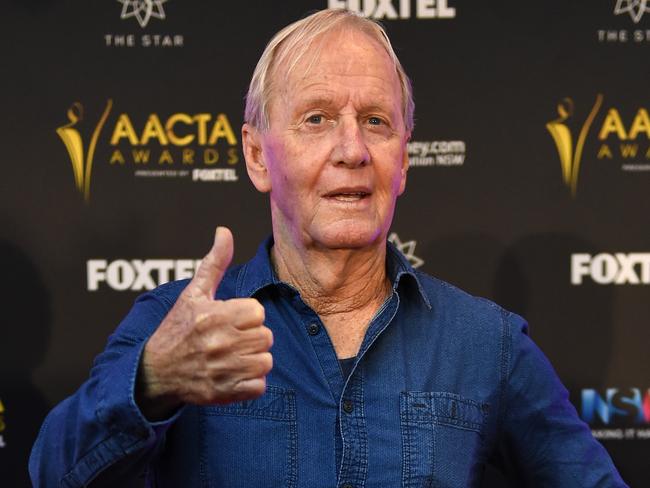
405 166
254 156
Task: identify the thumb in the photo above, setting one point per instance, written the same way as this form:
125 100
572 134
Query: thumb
213 266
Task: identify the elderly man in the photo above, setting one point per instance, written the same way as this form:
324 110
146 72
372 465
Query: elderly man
326 360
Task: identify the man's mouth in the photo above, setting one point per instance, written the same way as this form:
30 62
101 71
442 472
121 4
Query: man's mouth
348 196
353 194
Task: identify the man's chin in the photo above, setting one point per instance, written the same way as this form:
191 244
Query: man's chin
349 237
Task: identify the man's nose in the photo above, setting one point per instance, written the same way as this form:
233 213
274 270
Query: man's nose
351 146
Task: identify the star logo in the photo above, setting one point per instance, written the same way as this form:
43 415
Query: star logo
636 8
142 10
407 248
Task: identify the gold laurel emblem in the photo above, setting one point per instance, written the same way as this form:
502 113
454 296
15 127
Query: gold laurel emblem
570 159
2 422
73 141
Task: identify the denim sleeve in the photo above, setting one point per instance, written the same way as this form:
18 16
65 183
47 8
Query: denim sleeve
99 432
552 445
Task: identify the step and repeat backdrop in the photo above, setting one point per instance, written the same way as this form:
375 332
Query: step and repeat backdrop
529 180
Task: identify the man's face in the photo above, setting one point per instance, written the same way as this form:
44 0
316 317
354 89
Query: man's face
335 153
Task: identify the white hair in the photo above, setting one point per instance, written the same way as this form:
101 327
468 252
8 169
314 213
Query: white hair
289 45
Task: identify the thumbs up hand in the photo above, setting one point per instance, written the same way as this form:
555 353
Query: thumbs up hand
206 351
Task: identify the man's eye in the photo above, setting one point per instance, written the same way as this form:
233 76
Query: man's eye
315 119
374 121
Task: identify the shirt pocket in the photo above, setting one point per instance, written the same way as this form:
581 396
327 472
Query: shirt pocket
251 443
441 439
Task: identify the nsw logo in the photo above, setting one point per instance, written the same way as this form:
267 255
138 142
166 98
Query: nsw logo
617 413
629 405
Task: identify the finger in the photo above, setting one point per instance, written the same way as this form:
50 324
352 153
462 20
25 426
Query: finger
256 340
250 389
213 266
242 313
253 365
238 313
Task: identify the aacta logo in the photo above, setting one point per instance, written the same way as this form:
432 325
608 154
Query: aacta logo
570 156
2 424
82 162
397 9
631 405
619 139
179 130
142 10
180 139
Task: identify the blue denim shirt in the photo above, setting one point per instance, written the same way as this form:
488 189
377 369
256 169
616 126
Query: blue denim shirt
442 382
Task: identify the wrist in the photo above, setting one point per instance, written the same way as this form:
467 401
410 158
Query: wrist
153 397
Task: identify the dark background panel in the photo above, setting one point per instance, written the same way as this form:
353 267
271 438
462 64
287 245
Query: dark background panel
501 225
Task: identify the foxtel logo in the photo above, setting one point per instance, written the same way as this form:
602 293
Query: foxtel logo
137 274
401 9
611 269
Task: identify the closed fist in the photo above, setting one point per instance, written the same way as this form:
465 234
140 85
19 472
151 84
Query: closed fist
206 351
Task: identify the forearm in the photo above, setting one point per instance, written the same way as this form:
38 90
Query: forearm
100 432
550 443
97 430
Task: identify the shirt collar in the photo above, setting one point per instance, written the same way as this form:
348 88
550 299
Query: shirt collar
397 266
258 273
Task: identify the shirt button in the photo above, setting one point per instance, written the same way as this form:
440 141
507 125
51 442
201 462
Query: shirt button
347 485
313 329
348 407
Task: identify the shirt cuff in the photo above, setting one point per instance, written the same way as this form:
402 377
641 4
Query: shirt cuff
117 407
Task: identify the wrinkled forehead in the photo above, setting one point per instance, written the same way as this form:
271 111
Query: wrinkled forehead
344 51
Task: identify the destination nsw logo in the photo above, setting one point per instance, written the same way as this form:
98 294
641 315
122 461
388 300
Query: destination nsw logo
617 413
198 146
